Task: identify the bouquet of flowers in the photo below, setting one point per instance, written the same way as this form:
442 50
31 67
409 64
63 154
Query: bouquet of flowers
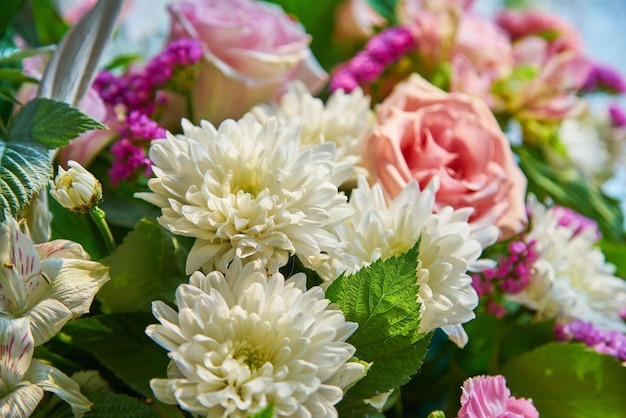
381 208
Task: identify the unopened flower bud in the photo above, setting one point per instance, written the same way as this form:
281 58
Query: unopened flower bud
76 189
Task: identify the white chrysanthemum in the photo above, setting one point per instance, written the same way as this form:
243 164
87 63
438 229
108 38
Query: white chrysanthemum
242 341
48 283
344 119
570 279
248 190
448 249
584 145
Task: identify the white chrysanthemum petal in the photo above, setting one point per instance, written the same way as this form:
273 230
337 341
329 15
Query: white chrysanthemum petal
570 279
264 340
447 251
247 190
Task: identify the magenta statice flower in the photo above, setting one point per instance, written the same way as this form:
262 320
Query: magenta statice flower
368 65
488 397
604 78
612 343
617 115
175 67
571 219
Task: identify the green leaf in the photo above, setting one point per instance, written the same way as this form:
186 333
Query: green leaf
120 344
385 8
8 10
108 405
147 266
13 75
268 412
350 407
8 95
50 26
568 189
14 54
50 123
24 170
381 298
569 380
614 253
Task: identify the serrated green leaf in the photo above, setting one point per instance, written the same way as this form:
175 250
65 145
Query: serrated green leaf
569 380
24 170
147 266
120 344
381 298
14 75
14 54
49 122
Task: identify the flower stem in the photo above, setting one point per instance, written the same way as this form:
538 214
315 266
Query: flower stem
189 102
98 217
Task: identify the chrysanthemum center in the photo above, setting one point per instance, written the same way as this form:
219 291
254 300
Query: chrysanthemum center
253 357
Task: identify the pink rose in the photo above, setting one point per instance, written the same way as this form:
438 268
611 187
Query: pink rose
356 20
488 397
252 50
562 34
424 132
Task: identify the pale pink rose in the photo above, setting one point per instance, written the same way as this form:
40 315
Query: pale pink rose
481 54
424 132
87 146
488 397
562 34
252 50
356 20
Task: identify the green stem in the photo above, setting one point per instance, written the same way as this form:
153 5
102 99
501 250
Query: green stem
189 102
98 217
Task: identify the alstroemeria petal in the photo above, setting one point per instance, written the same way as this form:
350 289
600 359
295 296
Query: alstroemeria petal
46 319
61 248
21 402
74 282
16 350
53 380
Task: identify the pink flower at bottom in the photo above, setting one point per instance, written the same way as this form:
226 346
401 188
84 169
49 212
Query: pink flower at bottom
488 397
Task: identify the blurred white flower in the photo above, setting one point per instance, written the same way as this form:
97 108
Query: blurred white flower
570 279
449 247
48 283
584 145
344 119
242 341
76 189
248 190
23 379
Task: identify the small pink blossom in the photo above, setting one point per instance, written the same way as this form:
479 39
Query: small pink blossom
488 397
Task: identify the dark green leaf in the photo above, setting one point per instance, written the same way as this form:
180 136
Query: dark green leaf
122 62
109 405
50 26
350 407
381 298
24 170
14 54
51 123
8 95
147 266
7 11
120 344
385 8
13 75
569 380
566 188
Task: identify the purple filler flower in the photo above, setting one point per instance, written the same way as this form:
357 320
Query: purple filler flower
612 343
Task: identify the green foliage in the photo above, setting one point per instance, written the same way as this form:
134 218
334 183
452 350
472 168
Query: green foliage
13 75
382 300
437 414
385 8
24 170
50 26
148 265
107 405
120 344
266 413
566 188
351 407
14 54
50 122
7 11
8 95
569 380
